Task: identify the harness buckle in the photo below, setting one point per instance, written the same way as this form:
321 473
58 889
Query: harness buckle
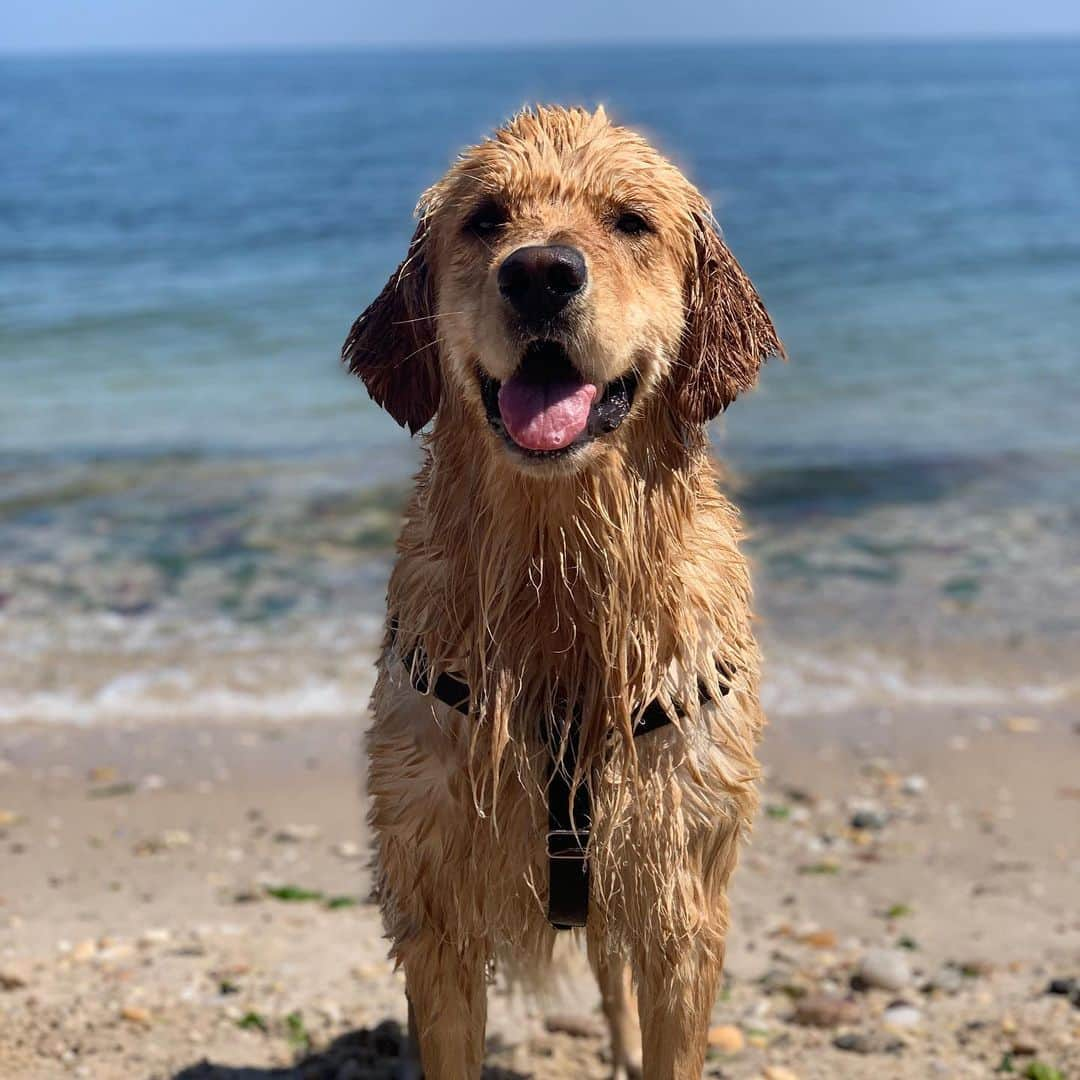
567 843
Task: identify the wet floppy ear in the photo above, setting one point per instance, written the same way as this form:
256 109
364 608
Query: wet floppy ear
392 346
728 333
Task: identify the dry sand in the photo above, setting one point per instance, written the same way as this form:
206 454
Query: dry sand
139 938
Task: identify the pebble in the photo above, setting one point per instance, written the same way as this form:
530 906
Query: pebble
869 818
168 840
901 1014
7 818
136 1014
726 1038
820 939
866 1042
83 951
114 951
579 1027
296 834
949 980
158 935
914 785
779 1072
1069 988
885 969
826 1010
1024 1047
14 976
347 850
1023 725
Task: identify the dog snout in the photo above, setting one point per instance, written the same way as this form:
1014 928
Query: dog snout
540 280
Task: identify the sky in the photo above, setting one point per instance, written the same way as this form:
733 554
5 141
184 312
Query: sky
62 25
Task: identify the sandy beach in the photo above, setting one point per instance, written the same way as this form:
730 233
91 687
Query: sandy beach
190 901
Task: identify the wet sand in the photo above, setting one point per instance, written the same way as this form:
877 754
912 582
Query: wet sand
189 902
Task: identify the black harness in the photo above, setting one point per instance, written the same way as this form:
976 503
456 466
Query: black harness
569 807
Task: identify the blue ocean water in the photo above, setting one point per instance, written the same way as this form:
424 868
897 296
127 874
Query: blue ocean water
184 241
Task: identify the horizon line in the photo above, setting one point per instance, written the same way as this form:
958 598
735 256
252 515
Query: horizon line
748 41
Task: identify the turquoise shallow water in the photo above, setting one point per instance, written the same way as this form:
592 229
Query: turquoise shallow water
184 241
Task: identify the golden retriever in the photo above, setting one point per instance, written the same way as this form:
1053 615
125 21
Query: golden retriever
566 709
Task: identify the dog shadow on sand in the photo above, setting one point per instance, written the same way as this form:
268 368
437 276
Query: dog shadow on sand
378 1053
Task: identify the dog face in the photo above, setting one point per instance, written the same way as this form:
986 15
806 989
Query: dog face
564 278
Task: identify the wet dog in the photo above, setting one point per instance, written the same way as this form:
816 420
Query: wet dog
566 710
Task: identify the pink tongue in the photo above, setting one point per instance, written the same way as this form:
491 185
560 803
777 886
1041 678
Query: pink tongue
545 416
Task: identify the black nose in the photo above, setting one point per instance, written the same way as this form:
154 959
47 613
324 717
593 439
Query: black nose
539 281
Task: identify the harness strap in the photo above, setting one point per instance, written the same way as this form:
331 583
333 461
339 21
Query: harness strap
569 825
569 808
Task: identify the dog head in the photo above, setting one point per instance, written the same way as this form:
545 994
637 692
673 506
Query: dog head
563 279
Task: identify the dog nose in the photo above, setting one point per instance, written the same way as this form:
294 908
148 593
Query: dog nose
539 281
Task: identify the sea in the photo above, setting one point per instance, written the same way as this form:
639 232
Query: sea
197 506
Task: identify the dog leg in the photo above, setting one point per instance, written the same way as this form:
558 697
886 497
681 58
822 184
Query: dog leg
447 1008
620 1011
676 1001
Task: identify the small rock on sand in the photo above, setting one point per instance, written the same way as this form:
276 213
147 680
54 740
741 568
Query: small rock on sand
1067 987
1022 725
901 1014
885 969
779 1072
14 976
580 1027
914 785
84 950
826 1010
868 1042
949 980
726 1038
1024 1047
297 834
136 1014
820 939
869 818
167 840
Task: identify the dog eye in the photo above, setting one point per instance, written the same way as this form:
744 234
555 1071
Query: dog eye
486 219
632 223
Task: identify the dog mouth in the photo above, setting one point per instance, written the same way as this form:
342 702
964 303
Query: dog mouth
546 409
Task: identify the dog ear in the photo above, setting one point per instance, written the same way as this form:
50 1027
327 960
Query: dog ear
728 333
393 347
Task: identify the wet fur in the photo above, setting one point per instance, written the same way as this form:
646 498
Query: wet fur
606 582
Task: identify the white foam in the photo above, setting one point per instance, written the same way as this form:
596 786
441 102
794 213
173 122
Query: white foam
797 682
802 681
155 697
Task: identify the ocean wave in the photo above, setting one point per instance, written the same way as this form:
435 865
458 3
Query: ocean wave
802 682
798 682
155 697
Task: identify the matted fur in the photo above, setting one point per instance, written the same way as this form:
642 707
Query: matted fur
605 583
